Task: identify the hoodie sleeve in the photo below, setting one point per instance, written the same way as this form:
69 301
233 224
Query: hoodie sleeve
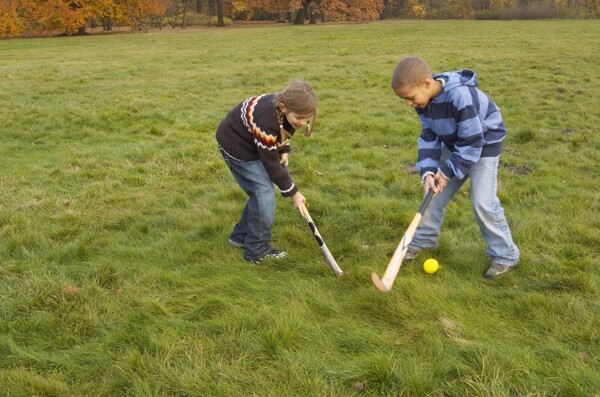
469 136
429 149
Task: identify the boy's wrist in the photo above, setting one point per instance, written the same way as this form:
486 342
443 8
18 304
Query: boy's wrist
425 175
446 171
443 175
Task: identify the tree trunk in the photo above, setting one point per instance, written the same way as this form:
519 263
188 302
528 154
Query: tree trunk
385 13
107 24
199 6
185 6
313 18
220 21
400 5
299 17
301 13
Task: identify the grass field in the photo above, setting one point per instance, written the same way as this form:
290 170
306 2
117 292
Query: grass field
115 274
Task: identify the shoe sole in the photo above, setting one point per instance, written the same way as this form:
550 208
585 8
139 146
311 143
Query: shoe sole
411 255
491 276
280 255
235 244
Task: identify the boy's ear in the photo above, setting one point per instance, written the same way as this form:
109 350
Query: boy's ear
282 107
428 83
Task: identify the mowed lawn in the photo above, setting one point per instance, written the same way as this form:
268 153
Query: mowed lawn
116 278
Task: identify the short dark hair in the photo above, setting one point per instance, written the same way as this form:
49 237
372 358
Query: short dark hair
410 71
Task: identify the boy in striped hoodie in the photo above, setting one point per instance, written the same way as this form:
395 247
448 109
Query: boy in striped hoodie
462 135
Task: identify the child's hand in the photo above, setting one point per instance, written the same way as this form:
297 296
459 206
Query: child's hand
284 159
299 202
429 184
441 182
435 182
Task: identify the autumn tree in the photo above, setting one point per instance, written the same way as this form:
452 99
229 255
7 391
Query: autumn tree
138 13
393 9
259 9
12 22
301 8
32 17
351 10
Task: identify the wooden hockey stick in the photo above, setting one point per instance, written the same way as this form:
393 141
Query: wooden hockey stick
385 283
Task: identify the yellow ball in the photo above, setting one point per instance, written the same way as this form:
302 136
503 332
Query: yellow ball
431 266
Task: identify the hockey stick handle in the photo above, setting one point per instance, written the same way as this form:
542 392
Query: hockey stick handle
328 256
385 283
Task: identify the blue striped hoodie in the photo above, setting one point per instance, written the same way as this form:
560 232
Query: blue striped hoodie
462 118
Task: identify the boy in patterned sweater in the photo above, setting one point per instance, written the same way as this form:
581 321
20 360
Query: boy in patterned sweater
462 135
254 140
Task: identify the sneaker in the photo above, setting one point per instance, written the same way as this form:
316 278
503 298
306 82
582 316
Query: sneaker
496 269
272 253
236 244
276 254
411 253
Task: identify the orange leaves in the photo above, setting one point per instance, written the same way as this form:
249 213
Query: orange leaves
140 9
58 15
18 17
11 22
154 7
51 17
48 16
249 8
295 4
352 10
32 17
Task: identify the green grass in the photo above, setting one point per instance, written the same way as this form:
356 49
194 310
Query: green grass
116 278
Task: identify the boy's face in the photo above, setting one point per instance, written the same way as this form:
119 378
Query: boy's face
417 96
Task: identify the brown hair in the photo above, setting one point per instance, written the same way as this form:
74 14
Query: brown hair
299 98
410 72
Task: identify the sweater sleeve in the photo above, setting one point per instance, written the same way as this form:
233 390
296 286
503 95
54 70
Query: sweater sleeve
277 172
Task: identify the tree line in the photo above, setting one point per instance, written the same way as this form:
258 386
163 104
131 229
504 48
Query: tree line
70 17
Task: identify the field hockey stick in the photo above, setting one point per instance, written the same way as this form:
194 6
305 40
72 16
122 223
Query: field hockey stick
326 252
384 284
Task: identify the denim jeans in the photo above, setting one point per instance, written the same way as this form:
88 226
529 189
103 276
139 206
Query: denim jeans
486 207
254 228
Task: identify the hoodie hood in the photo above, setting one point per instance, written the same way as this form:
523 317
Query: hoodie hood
454 79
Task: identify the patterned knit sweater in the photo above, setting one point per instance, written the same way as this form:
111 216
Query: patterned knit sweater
462 118
250 131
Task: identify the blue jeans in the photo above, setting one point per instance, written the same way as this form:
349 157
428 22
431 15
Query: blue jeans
254 229
486 207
